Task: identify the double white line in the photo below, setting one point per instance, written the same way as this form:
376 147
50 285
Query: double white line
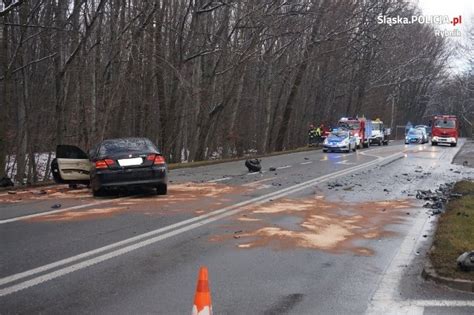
142 240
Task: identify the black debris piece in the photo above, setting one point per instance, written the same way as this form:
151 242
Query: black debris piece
6 182
466 261
272 169
56 206
253 165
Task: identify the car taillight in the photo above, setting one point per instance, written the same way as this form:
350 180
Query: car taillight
156 158
159 159
150 157
104 163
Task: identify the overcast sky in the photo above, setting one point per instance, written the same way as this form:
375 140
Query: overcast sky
453 8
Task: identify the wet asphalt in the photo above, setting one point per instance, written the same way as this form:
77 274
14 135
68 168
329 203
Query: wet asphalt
320 248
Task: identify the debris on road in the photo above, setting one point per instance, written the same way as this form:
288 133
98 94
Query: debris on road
6 182
272 169
12 192
253 165
56 206
436 199
39 192
466 261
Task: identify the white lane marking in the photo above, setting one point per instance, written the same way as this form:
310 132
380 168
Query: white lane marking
304 163
264 186
283 167
328 158
345 162
368 154
193 223
386 298
440 303
40 214
258 182
255 173
219 180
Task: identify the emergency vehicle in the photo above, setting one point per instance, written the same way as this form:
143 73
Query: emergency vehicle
379 133
360 128
444 129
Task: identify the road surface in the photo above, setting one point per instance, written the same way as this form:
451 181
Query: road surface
325 233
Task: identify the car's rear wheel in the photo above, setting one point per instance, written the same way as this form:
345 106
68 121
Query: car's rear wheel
162 189
434 143
98 192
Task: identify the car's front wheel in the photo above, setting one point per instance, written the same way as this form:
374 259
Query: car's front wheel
162 189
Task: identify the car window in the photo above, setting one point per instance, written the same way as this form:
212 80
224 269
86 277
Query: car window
339 134
117 146
446 124
70 152
414 132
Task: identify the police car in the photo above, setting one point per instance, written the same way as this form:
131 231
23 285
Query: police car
340 140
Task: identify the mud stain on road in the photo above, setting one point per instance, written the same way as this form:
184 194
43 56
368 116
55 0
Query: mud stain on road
59 192
96 213
323 225
191 198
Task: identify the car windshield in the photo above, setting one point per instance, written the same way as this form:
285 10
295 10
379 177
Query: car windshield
115 146
376 126
352 125
414 132
445 124
338 135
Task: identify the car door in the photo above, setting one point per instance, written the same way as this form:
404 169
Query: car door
73 163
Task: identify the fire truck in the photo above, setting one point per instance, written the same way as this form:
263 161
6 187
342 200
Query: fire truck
360 128
444 129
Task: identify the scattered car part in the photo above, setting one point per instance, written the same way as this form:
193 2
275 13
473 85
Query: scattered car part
466 261
253 165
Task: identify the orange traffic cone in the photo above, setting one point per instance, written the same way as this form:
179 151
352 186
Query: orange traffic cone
202 299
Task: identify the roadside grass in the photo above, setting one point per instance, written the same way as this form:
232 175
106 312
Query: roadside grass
455 234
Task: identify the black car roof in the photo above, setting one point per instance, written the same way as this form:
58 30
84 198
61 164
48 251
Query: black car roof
127 139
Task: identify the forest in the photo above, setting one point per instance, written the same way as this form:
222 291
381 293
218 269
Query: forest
212 79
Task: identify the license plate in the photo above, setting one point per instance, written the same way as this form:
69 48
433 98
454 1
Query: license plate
130 162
